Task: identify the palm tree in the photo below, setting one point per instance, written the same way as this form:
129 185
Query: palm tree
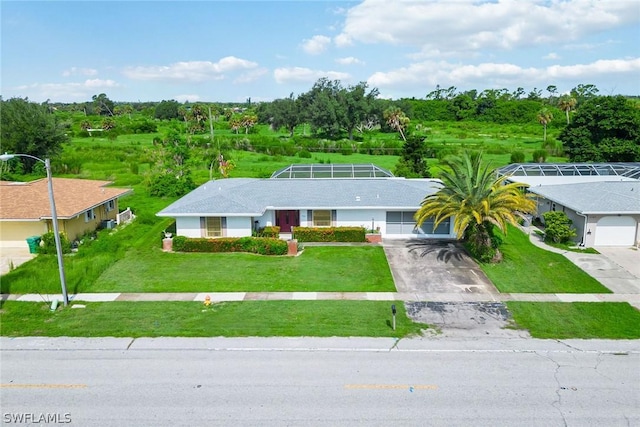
544 118
478 201
567 103
396 120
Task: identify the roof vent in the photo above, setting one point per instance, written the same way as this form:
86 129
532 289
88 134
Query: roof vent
357 198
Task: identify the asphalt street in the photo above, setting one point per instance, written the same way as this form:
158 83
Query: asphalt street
305 381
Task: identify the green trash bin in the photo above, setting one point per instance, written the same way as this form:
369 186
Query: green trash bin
33 242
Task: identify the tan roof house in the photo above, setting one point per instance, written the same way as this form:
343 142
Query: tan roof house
81 205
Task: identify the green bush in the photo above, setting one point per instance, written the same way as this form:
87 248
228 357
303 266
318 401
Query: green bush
269 231
49 244
557 227
255 245
539 156
329 234
517 157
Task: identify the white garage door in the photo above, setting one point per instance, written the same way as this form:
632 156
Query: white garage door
615 231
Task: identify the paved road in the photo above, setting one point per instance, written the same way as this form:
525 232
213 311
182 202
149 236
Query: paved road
156 382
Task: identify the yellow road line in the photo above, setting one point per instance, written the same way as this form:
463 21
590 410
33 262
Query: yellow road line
43 386
391 387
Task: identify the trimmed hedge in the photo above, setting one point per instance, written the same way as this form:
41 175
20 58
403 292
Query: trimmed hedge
255 245
329 234
272 231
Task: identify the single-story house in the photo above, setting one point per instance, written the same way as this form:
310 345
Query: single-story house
81 205
309 196
602 199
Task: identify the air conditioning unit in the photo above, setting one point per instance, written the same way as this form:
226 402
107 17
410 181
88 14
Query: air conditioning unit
111 224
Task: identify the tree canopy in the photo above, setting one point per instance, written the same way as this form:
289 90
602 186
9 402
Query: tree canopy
604 129
478 201
29 128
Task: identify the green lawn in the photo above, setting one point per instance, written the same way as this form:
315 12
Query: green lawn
529 269
557 320
193 319
326 269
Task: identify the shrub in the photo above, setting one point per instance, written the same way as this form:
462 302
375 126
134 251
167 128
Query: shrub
539 156
255 245
329 234
557 227
517 157
49 244
269 231
168 185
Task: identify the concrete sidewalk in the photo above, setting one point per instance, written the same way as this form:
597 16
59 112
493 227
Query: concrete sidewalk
624 285
633 299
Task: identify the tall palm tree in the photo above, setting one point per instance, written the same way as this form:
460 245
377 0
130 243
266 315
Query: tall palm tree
478 201
544 118
567 103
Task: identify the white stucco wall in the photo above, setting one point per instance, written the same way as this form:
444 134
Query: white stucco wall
188 227
238 226
267 219
361 218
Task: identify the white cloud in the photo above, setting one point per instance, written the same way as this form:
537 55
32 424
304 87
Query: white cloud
316 44
75 71
305 75
551 55
460 26
603 66
349 60
64 92
185 98
427 74
194 71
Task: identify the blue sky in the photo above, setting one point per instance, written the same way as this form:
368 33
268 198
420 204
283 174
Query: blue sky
227 51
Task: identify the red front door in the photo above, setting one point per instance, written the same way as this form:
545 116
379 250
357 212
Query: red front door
287 219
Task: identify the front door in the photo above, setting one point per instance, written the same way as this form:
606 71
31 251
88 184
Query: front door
287 219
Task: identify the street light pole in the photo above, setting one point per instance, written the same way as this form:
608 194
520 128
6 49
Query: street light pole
54 217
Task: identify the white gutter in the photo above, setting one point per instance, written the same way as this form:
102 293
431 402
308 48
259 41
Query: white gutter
584 229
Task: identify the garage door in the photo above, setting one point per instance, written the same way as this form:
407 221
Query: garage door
615 231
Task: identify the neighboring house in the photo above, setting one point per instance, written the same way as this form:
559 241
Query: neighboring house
81 205
308 196
602 199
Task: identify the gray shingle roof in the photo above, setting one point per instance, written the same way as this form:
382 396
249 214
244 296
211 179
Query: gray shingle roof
251 197
608 197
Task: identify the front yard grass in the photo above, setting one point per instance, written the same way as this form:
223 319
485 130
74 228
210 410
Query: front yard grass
587 320
317 269
529 269
193 319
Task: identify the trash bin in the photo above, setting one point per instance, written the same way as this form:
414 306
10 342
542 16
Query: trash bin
33 242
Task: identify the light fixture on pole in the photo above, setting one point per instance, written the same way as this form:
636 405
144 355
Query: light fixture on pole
54 218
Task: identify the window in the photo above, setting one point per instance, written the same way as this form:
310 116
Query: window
111 205
213 227
322 218
89 215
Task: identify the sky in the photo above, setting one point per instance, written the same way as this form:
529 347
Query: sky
229 51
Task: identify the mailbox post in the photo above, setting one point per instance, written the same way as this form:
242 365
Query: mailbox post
393 312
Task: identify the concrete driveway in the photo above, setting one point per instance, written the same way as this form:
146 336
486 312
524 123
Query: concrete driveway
13 257
435 266
442 272
626 257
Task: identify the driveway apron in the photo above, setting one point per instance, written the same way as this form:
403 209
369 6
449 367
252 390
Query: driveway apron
435 266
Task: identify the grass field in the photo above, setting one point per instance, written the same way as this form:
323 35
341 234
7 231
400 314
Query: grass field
529 269
317 269
587 320
191 319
